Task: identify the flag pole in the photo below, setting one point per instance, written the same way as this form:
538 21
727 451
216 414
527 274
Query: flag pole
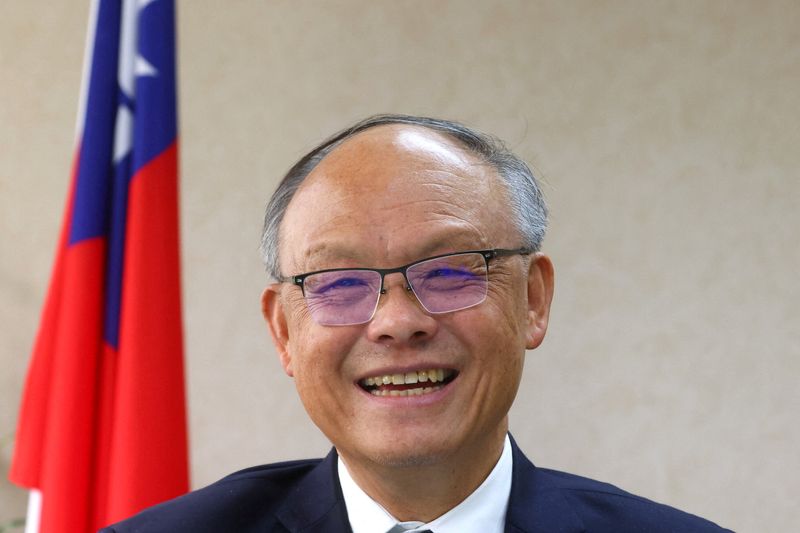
34 511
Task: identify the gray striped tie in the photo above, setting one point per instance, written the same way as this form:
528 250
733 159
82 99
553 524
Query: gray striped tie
400 528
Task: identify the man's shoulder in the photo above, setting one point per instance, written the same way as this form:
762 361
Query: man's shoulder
247 500
601 507
273 474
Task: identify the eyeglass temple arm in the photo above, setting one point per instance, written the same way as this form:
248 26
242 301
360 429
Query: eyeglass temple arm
502 252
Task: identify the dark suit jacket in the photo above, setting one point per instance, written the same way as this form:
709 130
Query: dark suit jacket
305 496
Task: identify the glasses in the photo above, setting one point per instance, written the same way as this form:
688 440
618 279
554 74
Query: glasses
442 284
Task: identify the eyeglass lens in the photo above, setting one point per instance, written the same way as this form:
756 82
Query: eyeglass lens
442 285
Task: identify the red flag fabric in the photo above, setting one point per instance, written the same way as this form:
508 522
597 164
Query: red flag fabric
102 427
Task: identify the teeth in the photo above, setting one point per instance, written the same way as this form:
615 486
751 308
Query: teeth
419 391
432 375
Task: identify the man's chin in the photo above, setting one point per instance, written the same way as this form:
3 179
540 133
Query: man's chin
416 459
399 454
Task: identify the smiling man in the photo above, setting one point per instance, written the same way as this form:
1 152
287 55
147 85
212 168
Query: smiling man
409 283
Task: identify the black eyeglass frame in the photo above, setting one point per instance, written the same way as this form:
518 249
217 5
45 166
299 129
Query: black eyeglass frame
487 255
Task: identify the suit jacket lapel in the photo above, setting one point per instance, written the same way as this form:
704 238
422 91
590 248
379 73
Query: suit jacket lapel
535 505
317 504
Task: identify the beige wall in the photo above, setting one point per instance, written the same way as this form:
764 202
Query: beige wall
666 132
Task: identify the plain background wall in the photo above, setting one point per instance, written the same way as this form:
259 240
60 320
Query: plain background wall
666 134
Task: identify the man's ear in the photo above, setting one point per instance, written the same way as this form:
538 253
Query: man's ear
275 316
541 280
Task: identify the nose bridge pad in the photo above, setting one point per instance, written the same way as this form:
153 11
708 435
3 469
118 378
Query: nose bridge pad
405 280
409 289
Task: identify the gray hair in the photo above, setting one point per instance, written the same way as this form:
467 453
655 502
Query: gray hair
525 195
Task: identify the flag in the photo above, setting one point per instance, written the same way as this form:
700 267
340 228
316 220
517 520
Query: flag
102 425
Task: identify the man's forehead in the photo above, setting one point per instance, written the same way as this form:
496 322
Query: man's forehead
358 250
398 191
397 162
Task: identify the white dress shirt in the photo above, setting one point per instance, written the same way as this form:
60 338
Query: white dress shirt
484 510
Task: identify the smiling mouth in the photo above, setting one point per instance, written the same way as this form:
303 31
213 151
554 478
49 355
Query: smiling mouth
408 383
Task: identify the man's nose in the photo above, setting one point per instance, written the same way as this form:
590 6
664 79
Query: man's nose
400 318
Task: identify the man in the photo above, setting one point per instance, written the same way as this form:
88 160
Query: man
409 285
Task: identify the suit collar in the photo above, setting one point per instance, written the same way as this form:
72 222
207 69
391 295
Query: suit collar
536 504
317 504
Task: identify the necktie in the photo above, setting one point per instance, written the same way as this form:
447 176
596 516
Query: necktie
400 528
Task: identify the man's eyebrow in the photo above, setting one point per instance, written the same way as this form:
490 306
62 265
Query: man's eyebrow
456 237
453 242
334 255
320 255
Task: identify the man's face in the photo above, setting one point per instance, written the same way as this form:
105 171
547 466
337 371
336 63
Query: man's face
386 197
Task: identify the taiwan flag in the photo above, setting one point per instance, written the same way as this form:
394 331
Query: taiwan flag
102 427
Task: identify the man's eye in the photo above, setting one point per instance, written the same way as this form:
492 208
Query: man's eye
448 273
342 283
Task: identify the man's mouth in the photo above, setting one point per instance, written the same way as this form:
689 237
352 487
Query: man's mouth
408 383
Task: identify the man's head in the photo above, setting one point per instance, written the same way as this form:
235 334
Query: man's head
389 192
525 201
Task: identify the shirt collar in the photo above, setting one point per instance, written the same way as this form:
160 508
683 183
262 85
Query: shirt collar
483 510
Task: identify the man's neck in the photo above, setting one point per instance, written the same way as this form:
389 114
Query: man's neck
425 492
